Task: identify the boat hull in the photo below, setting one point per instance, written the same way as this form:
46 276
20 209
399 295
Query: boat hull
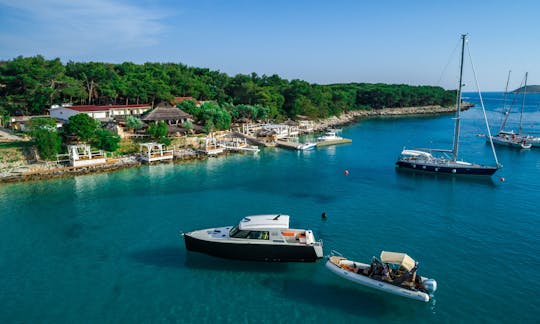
511 143
307 146
254 251
457 169
376 284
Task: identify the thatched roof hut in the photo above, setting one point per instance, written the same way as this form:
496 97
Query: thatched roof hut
167 113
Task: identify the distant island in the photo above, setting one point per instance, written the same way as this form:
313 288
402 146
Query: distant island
530 89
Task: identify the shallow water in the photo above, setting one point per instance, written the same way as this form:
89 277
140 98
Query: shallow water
106 247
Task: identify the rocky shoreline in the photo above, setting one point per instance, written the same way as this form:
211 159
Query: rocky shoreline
352 116
45 171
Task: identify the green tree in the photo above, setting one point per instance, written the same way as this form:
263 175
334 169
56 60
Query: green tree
133 122
208 126
4 115
187 125
30 85
219 117
107 140
82 126
157 130
45 135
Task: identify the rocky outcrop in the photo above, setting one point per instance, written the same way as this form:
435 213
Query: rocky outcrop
49 171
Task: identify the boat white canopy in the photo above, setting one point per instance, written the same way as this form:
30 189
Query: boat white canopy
398 258
258 222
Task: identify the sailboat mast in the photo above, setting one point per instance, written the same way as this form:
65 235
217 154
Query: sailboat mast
507 113
458 103
523 103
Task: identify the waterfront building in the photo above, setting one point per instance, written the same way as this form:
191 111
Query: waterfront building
101 113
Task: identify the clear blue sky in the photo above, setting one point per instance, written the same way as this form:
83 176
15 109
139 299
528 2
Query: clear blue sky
323 42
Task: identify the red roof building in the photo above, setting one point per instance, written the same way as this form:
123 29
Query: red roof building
178 100
103 113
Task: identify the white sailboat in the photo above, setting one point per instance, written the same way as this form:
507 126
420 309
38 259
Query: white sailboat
510 138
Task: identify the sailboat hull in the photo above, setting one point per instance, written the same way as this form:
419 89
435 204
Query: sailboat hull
447 168
503 141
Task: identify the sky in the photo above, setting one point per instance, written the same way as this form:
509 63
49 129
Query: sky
398 42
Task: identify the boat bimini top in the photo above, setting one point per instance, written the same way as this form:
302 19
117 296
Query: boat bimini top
258 222
401 259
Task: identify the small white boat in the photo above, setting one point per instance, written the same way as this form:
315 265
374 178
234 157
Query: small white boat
306 146
395 274
329 136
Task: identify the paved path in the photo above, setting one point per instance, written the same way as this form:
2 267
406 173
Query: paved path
6 134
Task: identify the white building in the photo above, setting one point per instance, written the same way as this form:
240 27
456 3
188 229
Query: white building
102 113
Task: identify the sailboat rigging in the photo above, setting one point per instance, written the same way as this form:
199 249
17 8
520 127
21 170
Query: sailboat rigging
511 138
425 160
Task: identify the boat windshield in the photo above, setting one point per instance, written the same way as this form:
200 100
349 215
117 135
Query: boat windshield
237 233
253 235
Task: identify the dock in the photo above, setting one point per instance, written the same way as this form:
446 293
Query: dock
334 142
288 145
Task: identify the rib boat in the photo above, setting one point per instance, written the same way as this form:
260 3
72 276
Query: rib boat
395 273
257 238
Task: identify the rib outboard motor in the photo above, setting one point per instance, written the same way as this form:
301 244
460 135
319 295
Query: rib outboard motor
430 285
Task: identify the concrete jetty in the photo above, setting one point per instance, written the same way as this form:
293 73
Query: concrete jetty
334 142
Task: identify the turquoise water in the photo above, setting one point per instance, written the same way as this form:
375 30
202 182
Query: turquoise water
106 247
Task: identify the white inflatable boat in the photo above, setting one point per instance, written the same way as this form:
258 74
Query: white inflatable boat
395 273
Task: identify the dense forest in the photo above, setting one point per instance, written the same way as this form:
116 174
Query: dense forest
30 85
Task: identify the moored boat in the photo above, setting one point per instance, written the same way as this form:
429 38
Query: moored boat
394 273
423 160
329 136
306 146
257 238
436 160
510 139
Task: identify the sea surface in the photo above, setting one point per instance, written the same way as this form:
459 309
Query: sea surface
106 248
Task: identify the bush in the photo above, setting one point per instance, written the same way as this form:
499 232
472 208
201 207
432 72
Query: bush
107 140
158 130
82 126
133 123
43 132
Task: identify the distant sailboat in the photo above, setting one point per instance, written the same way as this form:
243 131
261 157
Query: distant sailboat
424 160
509 138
